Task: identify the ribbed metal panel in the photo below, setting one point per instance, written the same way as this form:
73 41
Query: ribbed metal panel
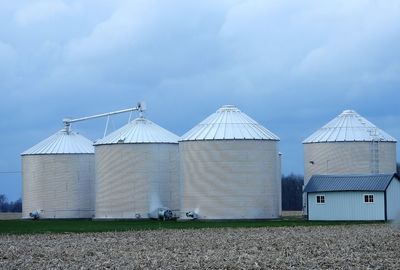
230 179
228 123
62 142
373 182
134 179
61 185
140 130
348 158
349 126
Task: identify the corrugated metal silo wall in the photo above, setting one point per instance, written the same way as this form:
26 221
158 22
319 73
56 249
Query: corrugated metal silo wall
133 179
62 185
230 179
347 158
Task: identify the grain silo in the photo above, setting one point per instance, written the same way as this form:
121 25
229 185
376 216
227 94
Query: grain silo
230 168
136 171
349 144
58 177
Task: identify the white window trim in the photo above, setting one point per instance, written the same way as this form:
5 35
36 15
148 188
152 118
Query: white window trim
320 195
368 194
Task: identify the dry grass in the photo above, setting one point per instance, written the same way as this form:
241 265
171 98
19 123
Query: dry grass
328 247
10 216
292 213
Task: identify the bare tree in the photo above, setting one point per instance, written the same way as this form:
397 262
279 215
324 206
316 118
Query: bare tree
292 192
6 206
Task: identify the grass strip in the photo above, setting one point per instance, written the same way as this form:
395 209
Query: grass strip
87 226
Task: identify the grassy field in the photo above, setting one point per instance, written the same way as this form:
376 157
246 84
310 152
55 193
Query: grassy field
81 226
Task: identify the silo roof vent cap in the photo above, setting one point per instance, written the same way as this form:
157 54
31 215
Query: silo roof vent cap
228 108
349 112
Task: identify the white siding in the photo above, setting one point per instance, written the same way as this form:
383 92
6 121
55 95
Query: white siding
279 176
346 206
133 179
62 185
393 200
230 179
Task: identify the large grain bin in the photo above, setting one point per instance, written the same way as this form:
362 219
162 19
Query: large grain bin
136 171
230 168
348 144
58 177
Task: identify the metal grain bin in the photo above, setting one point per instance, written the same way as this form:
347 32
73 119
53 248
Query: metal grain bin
58 177
349 144
230 168
136 171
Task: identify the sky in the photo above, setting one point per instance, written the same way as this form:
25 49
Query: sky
290 65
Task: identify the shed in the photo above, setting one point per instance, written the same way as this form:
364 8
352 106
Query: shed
353 197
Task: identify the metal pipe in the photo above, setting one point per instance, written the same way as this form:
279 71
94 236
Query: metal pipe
67 122
70 121
130 117
105 130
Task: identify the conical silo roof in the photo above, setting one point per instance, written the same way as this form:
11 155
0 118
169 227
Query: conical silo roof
229 123
62 142
140 130
349 126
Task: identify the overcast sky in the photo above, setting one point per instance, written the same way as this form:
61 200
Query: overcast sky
290 65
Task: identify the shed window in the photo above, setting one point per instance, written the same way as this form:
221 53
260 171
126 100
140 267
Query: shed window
320 199
368 198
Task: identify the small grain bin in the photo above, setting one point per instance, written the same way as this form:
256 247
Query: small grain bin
349 144
58 177
136 171
229 168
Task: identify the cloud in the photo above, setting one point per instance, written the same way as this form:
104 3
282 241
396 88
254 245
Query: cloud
40 11
325 40
8 54
125 27
8 64
147 42
290 65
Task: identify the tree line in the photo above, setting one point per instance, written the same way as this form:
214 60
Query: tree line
6 206
292 192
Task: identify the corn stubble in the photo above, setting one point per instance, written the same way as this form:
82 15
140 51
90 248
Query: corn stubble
374 246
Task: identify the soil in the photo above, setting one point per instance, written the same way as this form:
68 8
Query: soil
368 246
